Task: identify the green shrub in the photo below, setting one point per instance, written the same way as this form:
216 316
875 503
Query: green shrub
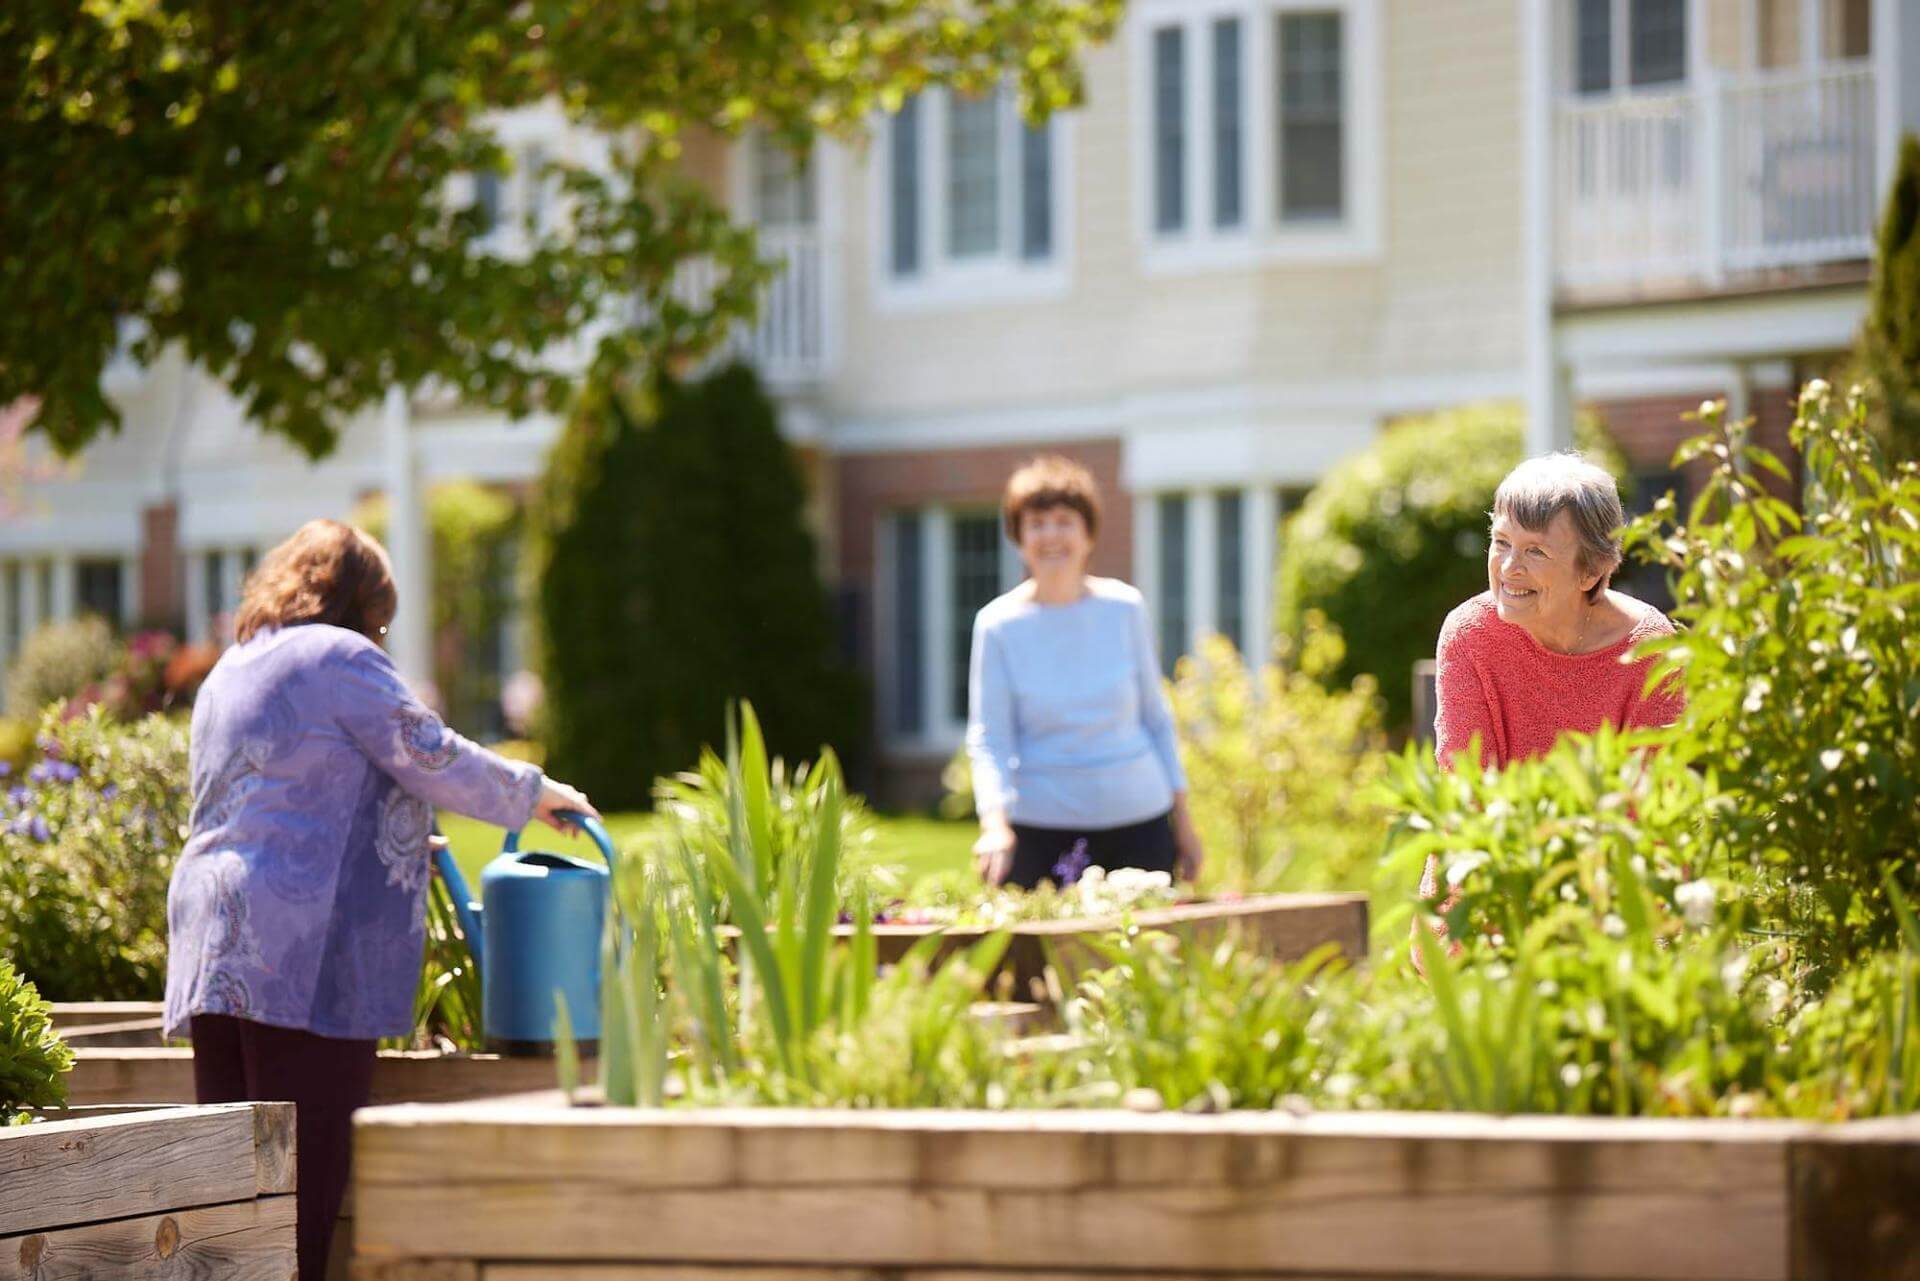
675 573
59 661
1887 355
87 849
473 529
33 1058
1280 765
1396 536
1802 676
17 749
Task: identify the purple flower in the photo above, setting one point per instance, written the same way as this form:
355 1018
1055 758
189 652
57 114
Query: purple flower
18 794
6 768
110 791
1075 861
38 829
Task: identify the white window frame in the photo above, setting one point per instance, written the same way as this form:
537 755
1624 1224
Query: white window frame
1259 516
943 281
941 732
1260 236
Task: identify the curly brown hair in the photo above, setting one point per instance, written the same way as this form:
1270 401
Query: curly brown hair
326 572
1050 481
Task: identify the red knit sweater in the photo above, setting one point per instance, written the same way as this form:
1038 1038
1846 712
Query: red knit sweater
1495 680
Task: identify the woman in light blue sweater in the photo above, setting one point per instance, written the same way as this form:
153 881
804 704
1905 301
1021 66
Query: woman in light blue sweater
1075 762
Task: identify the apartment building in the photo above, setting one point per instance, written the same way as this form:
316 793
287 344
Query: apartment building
1273 226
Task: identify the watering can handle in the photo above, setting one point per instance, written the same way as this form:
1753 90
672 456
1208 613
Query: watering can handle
585 822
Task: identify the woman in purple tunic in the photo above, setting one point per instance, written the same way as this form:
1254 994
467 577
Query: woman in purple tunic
296 915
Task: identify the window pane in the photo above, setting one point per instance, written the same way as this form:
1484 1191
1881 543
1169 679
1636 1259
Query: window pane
486 198
1593 46
1173 579
976 580
10 572
782 185
98 590
1230 562
1657 52
973 175
1169 129
1227 128
903 153
1311 129
909 628
1036 191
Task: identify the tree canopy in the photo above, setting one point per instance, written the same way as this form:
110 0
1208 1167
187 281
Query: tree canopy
269 186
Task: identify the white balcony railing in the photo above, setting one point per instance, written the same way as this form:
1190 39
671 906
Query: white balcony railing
791 344
1693 185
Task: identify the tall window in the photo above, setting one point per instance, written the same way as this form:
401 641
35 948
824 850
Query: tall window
1169 129
1173 578
1628 42
1657 53
1311 170
1230 586
976 580
970 186
908 631
1229 110
903 188
783 186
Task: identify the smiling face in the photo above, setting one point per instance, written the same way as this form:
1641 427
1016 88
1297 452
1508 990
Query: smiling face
1054 542
1536 576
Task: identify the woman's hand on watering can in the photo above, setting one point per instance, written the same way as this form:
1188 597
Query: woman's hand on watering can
556 797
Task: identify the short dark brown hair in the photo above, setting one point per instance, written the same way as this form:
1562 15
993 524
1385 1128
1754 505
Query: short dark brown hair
326 573
1051 481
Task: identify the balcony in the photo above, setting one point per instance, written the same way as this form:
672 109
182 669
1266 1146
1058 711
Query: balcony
1702 188
791 345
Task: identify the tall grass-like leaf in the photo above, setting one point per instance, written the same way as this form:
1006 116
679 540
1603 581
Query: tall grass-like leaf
764 970
822 908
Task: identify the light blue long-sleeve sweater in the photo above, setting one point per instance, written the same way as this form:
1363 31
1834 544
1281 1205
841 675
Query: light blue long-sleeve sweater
1068 724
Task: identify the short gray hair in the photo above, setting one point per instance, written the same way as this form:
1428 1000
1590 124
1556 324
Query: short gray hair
1541 488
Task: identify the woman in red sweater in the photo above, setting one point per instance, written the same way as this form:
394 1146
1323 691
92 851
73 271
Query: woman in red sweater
1548 647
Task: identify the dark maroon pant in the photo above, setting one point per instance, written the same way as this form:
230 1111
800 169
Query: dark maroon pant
324 1077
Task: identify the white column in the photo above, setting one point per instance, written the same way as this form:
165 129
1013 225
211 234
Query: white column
65 584
1549 407
130 586
1259 533
198 624
32 607
1896 67
1203 568
232 572
410 638
1146 548
1708 151
1739 393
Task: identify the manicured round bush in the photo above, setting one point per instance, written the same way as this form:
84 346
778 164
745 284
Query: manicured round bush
1887 356
674 572
60 660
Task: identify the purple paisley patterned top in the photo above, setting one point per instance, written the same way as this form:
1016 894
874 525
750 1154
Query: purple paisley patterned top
300 897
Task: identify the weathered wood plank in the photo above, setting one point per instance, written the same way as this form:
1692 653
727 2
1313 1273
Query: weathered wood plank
418 1270
243 1241
71 1172
728 1272
165 1075
79 1014
1464 1196
1856 1202
129 1032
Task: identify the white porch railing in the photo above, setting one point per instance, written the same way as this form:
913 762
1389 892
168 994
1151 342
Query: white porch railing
1691 185
791 344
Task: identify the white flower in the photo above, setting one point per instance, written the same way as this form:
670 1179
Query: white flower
1695 900
1779 995
1570 1076
1614 927
1734 972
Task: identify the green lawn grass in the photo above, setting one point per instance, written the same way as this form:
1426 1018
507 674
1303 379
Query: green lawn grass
915 843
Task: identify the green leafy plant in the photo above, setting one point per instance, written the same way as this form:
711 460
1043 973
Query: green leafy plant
1886 357
1802 678
33 1058
88 840
675 573
59 661
1280 763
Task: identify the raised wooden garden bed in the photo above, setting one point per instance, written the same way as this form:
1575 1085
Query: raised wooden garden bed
149 1192
514 1190
1285 926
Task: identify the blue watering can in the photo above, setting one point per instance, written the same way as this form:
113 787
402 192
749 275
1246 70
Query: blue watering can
540 935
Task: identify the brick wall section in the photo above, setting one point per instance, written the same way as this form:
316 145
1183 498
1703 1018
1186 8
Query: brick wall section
1648 429
160 586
